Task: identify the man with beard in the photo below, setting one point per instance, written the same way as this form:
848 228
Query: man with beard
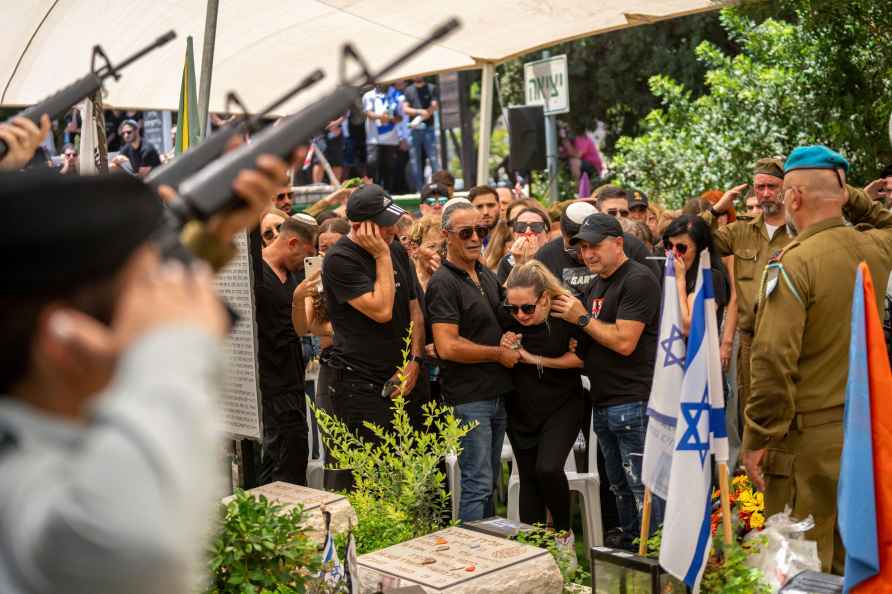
752 243
486 200
800 352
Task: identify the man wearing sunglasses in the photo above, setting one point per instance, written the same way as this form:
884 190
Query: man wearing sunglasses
433 197
800 354
369 286
463 305
620 317
142 154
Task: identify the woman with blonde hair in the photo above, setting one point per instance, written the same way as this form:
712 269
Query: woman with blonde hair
545 413
427 241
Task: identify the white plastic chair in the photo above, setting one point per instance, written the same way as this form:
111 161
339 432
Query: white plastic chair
315 465
587 484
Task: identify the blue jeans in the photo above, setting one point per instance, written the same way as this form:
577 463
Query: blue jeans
480 459
426 139
620 430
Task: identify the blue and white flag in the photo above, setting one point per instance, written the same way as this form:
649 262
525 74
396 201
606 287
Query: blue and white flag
699 432
662 407
331 566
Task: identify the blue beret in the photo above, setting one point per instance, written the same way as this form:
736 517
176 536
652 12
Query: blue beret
815 156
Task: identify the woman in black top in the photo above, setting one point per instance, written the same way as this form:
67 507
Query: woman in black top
545 414
684 239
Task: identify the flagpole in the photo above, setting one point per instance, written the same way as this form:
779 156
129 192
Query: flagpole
645 523
726 501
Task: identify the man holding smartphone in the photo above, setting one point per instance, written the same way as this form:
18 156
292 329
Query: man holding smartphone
369 287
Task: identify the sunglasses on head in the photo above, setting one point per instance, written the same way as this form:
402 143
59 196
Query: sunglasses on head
527 308
681 248
622 212
521 227
431 200
465 233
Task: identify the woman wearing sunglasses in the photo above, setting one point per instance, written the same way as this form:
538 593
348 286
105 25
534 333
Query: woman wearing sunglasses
544 414
270 225
530 230
684 239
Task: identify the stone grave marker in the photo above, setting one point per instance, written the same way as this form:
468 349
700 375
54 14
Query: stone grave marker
459 561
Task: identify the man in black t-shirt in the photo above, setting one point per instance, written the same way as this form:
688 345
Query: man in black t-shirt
280 358
620 317
463 306
369 285
142 154
561 258
420 105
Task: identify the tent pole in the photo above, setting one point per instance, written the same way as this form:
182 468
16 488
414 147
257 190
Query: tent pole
486 88
551 150
207 64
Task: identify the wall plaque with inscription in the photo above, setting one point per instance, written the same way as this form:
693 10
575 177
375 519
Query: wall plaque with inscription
241 395
459 561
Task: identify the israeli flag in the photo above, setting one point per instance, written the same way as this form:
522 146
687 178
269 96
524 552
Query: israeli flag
699 432
331 566
662 407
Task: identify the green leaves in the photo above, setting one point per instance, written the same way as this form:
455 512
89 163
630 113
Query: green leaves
399 490
793 84
261 548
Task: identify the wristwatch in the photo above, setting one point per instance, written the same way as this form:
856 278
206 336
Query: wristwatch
583 320
714 212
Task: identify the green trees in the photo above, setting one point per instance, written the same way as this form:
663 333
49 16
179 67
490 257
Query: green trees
823 79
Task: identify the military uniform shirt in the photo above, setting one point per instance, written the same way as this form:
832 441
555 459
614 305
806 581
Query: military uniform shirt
800 351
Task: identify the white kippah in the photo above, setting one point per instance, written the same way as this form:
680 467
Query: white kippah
305 218
456 200
579 211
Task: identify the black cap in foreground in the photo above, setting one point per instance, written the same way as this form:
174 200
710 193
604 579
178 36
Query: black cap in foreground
372 203
596 228
63 232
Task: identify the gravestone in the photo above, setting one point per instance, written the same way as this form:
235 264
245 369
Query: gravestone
314 501
459 561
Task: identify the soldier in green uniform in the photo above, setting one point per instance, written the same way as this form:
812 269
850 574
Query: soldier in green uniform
752 242
800 350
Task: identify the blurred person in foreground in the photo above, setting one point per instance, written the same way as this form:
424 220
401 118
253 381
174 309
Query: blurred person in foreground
110 468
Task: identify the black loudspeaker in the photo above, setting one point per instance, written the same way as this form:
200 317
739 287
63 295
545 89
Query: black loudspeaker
526 131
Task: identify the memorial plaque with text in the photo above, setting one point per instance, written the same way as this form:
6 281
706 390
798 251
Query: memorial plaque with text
460 561
241 395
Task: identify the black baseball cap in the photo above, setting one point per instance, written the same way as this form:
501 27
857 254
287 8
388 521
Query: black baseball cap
596 228
372 203
637 198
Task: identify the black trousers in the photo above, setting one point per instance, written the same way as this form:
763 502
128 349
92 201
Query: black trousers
357 401
382 165
285 441
543 483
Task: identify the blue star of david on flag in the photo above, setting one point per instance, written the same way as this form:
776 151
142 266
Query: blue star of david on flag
692 440
666 344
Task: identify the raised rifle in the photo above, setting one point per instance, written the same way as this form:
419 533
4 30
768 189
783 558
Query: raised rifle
174 172
209 191
57 104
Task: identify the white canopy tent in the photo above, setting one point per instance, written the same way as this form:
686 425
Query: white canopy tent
265 46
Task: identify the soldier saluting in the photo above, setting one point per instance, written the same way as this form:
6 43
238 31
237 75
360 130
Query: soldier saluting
800 350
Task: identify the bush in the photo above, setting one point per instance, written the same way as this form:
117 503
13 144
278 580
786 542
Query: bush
401 471
544 538
261 549
380 525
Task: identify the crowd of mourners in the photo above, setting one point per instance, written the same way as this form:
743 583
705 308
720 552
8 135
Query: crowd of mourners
534 323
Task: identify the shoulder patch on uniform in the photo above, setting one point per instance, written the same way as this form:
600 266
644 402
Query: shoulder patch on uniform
774 271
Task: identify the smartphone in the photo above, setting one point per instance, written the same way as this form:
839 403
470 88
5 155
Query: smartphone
312 265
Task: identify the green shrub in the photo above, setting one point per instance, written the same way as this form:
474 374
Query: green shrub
401 471
261 549
544 538
380 525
